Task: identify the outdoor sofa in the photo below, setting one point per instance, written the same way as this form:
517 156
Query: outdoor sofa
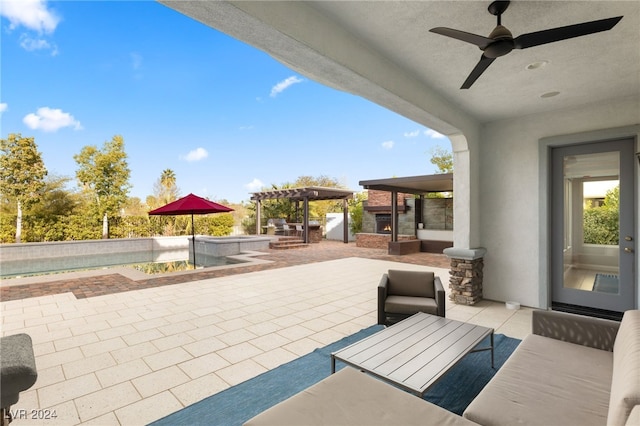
572 370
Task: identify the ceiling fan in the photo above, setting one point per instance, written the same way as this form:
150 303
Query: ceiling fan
501 41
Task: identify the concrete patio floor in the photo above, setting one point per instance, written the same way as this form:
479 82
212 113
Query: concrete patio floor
134 351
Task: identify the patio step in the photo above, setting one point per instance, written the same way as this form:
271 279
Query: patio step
286 243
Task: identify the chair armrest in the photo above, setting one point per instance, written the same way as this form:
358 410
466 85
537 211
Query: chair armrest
439 296
18 368
382 296
573 328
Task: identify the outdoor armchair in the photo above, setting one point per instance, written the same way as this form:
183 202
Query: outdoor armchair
405 293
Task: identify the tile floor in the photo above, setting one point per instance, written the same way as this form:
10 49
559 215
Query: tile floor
132 357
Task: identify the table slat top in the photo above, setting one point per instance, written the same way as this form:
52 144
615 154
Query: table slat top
416 352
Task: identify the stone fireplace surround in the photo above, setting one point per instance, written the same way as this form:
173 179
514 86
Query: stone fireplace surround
437 217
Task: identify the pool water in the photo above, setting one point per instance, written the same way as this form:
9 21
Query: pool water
181 265
105 261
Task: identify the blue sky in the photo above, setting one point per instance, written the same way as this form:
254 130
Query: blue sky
226 117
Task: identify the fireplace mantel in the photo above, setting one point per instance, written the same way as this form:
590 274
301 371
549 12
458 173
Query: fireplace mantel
385 209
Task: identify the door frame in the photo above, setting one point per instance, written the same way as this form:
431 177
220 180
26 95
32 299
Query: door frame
545 146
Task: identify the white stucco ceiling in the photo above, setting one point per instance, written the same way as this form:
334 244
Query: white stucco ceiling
384 51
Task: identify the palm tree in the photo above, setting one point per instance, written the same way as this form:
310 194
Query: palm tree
168 178
168 190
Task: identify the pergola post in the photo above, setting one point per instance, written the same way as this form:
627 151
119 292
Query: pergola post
258 217
305 228
345 220
421 212
394 216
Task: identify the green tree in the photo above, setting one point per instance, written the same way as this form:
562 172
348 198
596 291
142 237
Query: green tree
165 189
22 173
612 199
601 224
104 175
135 207
219 224
47 217
442 159
356 211
56 199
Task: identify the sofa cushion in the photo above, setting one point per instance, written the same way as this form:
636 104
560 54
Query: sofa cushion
350 397
410 305
547 382
625 385
411 283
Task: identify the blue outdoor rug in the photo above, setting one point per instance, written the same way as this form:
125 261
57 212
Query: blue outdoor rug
236 405
606 283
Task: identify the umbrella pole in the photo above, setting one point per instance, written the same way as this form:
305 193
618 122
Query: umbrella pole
193 238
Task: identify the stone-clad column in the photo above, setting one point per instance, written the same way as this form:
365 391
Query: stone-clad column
465 283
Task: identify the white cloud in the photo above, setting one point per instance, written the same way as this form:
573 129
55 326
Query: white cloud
196 155
31 14
136 60
284 84
3 107
31 44
433 134
388 144
50 120
255 185
411 134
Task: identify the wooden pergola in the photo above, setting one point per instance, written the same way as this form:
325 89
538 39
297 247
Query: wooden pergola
304 195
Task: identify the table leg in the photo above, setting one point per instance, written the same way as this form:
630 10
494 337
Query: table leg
333 364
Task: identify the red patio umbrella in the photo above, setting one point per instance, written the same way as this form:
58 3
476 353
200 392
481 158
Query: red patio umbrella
191 204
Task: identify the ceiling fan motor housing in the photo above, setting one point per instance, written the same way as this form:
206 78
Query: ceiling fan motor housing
502 45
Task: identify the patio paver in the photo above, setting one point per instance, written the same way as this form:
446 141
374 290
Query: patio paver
137 351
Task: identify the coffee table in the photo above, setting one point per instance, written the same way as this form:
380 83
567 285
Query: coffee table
414 353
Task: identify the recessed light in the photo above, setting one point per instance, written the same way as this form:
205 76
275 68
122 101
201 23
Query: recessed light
536 65
549 94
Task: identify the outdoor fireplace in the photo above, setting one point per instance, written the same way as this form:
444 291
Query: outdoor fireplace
383 224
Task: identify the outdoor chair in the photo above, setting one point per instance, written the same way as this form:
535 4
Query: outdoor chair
286 229
405 293
299 231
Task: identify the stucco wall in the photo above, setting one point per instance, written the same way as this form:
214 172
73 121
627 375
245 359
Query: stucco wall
513 219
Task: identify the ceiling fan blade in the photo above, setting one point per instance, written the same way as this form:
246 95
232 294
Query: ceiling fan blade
478 40
477 71
563 33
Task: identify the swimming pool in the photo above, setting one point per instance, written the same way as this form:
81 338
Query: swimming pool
136 261
29 259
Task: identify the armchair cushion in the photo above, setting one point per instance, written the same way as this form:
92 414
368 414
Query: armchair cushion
407 305
411 283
